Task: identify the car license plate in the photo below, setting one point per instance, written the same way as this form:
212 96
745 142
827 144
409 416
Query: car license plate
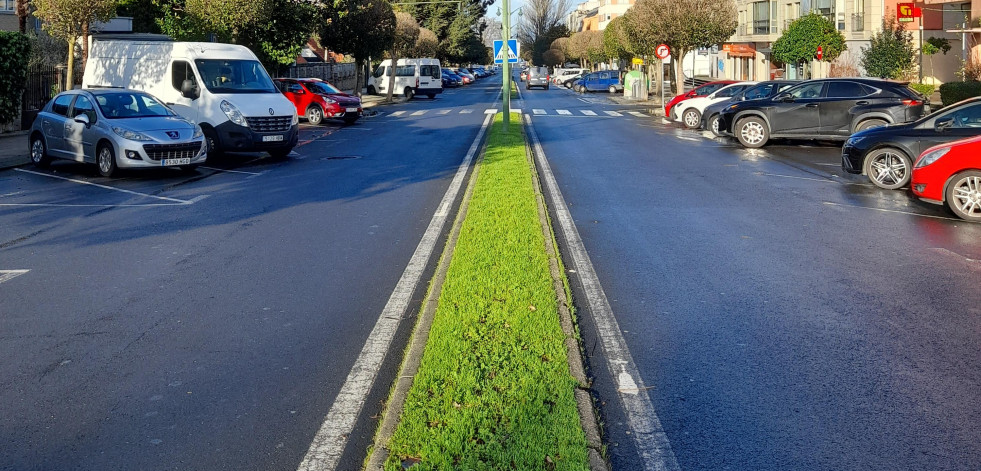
352 110
276 138
170 162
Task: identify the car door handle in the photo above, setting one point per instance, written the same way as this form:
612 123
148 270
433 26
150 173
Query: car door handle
811 105
863 102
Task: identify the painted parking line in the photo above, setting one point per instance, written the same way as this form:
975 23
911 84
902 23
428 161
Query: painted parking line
637 114
466 111
612 113
83 182
7 275
254 174
894 211
564 112
588 112
538 111
398 113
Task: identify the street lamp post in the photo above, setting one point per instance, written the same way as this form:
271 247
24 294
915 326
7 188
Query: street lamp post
506 65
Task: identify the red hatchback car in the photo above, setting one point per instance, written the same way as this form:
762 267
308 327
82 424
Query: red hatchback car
950 174
318 100
701 90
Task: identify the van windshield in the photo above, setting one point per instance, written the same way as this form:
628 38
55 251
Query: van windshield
234 76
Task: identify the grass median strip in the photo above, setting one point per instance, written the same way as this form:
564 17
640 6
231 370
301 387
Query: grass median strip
494 390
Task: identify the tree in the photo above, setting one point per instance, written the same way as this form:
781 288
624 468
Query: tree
934 45
800 41
616 42
427 45
279 39
70 20
15 54
553 57
343 30
685 25
541 23
890 52
228 18
406 33
23 9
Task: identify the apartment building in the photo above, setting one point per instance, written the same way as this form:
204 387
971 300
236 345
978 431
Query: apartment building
957 21
585 17
609 10
8 16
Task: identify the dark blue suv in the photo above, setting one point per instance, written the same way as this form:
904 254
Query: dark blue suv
608 80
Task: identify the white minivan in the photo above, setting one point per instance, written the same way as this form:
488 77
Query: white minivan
221 87
412 77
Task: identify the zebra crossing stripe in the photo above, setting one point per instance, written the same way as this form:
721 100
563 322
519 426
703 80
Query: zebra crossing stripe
637 114
516 110
10 274
588 112
613 113
444 111
398 113
538 111
466 111
490 111
564 112
419 113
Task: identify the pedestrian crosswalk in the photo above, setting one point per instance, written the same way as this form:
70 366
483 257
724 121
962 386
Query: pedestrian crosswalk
534 111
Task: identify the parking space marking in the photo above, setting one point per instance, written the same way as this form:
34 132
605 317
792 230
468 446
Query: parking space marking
896 211
613 113
637 114
564 112
83 182
588 112
466 111
419 113
7 275
444 111
538 111
254 174
398 113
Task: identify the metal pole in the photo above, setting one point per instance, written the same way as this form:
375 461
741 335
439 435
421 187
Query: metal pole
507 64
660 63
921 49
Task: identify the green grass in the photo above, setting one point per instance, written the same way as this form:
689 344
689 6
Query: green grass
494 391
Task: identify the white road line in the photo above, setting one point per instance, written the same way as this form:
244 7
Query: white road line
894 211
613 113
490 111
637 114
564 112
444 111
398 113
328 444
588 112
822 180
538 111
649 437
7 275
689 138
466 111
419 113
233 171
82 182
515 110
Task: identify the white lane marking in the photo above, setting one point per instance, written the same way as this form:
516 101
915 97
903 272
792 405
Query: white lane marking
328 445
419 113
490 111
444 111
588 112
7 275
894 211
649 437
823 180
613 113
564 112
538 111
398 113
689 138
466 111
516 110
83 182
254 174
637 114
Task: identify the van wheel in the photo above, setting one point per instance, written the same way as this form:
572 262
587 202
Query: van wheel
211 137
39 152
105 158
280 154
315 115
432 96
408 92
613 89
371 90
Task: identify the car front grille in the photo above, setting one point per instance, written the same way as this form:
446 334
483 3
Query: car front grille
270 123
172 151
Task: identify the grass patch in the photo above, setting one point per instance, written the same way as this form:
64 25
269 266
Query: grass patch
494 391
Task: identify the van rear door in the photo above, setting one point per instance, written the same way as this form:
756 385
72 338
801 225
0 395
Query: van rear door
429 76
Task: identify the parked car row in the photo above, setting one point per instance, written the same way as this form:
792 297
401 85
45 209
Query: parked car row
579 80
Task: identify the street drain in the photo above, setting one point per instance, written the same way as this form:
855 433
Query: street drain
342 157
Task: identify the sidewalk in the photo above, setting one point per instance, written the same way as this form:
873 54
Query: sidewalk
654 103
13 149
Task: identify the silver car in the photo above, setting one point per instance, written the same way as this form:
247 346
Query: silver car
115 128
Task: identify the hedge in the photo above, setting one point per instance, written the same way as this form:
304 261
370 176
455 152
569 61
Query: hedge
952 92
15 51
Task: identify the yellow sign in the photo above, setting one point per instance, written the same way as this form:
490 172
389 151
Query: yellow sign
638 61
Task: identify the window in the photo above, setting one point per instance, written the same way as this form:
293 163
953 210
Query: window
761 91
604 76
61 104
761 17
234 76
429 70
8 5
405 71
129 105
807 90
858 17
730 91
84 106
969 117
181 71
846 90
380 71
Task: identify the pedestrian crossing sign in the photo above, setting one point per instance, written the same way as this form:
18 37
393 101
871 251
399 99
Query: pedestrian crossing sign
501 52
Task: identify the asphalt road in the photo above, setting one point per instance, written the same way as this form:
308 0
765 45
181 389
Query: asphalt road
782 314
207 320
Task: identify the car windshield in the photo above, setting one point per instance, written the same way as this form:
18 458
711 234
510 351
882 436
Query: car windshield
234 76
322 88
130 105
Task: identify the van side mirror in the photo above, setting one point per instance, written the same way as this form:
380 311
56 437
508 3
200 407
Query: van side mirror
82 119
943 124
189 89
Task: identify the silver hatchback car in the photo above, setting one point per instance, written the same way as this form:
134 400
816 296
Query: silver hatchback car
115 128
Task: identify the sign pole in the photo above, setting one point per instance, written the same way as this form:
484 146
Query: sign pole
506 24
660 64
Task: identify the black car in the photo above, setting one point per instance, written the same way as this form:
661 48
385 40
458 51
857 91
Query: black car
569 82
451 80
823 109
886 154
710 116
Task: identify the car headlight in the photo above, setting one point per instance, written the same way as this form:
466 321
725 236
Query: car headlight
197 132
852 141
296 118
931 157
130 135
234 115
330 101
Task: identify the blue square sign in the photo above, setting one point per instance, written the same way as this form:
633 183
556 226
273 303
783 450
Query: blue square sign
510 52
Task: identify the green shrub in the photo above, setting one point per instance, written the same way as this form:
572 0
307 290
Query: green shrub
953 92
15 52
924 89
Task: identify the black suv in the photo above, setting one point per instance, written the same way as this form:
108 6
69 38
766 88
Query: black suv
823 109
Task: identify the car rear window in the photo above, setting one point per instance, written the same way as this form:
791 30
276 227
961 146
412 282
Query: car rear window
846 89
710 88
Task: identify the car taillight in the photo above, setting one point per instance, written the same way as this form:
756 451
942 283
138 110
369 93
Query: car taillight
909 102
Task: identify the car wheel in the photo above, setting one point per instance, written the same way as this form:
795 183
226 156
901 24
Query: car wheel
613 89
280 154
963 195
888 168
432 96
350 121
371 90
691 118
105 158
39 152
407 92
869 124
713 125
752 132
315 115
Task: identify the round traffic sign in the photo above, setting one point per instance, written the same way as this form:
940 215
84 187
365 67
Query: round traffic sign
662 51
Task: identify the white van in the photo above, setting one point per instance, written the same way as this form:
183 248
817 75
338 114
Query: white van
221 87
412 77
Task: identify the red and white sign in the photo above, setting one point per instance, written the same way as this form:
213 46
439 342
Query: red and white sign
905 12
820 53
662 51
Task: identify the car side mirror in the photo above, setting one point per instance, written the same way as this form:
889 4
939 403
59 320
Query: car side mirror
82 119
189 89
784 98
943 124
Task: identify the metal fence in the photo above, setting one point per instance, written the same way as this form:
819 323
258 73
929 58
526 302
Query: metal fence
43 83
341 76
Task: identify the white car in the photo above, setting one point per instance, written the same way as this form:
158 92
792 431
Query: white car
690 111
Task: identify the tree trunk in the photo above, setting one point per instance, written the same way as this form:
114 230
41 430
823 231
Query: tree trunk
679 72
22 12
392 75
358 66
85 44
70 76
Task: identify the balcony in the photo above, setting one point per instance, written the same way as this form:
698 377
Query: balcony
761 26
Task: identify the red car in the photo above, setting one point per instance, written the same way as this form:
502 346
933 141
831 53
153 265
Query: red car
950 174
702 90
319 100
